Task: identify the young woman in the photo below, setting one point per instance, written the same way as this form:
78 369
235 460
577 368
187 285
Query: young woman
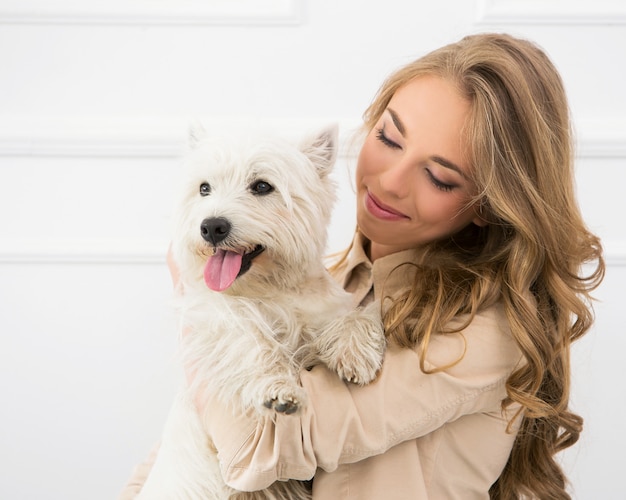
470 236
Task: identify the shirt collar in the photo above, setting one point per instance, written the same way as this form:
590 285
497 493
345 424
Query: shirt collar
386 276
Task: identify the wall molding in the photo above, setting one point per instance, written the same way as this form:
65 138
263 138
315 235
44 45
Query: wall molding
151 12
615 252
570 12
165 137
84 251
602 148
135 137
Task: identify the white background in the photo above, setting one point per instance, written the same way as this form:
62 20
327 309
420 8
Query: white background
95 98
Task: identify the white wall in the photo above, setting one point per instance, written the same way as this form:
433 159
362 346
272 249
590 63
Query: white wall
94 102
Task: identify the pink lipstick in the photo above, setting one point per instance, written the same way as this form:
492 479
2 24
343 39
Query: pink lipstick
380 210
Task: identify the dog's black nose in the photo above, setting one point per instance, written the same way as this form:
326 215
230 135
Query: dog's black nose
215 229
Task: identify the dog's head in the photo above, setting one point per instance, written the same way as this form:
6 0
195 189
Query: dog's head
253 212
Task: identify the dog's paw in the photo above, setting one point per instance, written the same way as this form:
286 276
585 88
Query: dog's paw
360 363
288 407
285 398
355 348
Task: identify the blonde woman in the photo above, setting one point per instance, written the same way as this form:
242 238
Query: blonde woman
470 235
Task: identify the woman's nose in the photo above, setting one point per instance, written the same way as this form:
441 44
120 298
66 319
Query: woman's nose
394 180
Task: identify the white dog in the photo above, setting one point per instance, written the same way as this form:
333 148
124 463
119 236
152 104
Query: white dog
257 302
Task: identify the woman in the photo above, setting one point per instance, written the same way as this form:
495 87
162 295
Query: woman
470 235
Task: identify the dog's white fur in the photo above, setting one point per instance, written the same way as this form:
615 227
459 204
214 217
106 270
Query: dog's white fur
247 343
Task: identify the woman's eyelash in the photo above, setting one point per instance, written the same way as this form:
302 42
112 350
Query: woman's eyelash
380 135
438 184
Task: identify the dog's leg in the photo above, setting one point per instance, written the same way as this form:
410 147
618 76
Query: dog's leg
353 345
252 368
275 386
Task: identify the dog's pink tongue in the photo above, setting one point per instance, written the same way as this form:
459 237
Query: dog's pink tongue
222 269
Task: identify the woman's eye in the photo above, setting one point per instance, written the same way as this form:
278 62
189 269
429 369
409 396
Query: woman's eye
438 184
261 187
380 135
205 189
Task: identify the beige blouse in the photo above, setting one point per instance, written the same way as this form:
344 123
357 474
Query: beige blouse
407 435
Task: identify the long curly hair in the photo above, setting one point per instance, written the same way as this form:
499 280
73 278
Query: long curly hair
529 256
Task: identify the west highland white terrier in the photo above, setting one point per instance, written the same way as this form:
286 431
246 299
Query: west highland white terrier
257 303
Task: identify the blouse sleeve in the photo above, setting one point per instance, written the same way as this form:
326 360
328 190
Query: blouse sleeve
345 423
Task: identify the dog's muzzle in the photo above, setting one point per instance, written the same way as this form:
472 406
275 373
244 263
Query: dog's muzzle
227 263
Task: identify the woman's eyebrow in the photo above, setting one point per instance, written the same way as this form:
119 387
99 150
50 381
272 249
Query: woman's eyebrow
397 122
448 164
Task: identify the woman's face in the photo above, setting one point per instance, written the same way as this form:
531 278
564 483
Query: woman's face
412 177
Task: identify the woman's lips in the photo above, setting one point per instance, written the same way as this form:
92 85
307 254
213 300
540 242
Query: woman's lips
380 210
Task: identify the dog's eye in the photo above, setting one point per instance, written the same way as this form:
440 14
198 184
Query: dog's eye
261 187
205 189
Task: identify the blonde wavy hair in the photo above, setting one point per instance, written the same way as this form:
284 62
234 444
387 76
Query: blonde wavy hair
530 254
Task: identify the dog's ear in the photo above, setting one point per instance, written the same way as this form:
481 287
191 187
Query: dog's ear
197 134
322 148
